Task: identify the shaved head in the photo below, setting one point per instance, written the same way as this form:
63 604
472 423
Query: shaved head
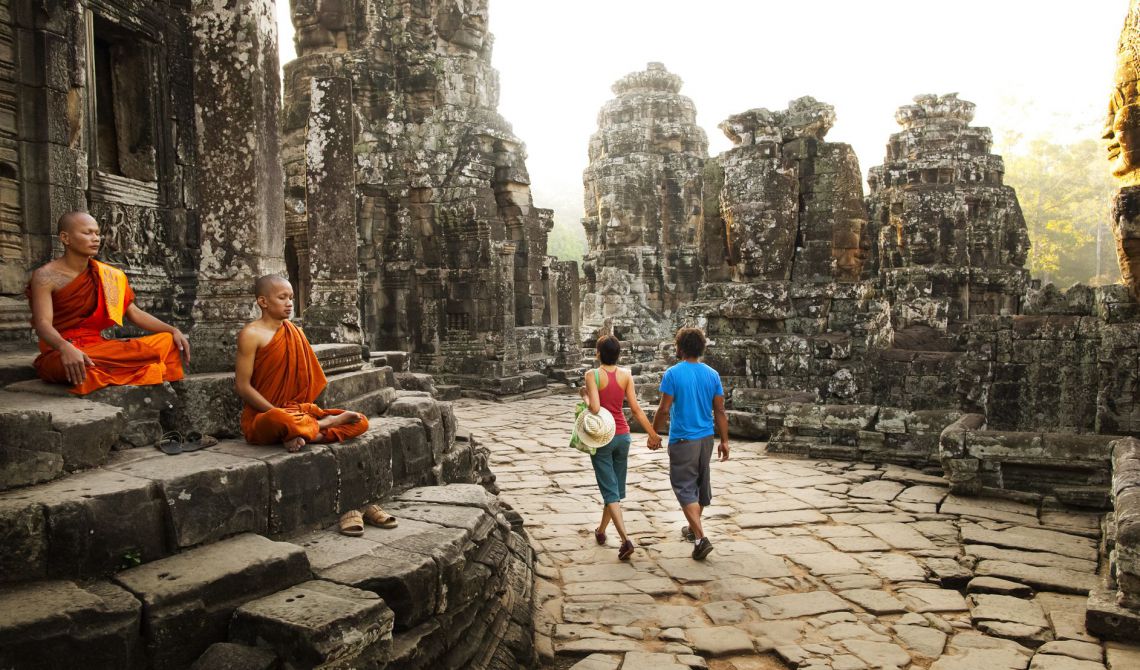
69 221
266 283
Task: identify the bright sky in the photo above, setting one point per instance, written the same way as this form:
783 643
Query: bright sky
557 61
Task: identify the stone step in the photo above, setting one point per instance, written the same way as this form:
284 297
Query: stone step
318 624
143 505
336 358
398 360
142 406
45 437
459 580
16 365
189 599
207 403
54 624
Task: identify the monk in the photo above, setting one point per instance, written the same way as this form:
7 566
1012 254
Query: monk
74 298
278 376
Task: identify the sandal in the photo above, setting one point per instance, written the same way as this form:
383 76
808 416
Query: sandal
626 550
170 443
374 516
196 441
599 536
352 523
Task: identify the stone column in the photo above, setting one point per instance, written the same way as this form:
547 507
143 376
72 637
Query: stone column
242 232
333 312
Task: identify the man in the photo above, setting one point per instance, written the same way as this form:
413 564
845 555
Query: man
693 399
74 298
278 376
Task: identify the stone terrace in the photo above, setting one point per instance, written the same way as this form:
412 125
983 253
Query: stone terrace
817 564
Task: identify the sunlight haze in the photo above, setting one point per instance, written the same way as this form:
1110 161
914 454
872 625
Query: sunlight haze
1031 67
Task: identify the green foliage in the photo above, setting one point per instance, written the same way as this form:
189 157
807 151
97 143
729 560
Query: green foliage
131 558
1065 191
566 242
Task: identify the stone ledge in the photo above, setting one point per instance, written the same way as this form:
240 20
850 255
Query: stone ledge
189 599
53 624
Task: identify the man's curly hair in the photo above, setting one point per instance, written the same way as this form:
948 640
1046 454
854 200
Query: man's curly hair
691 342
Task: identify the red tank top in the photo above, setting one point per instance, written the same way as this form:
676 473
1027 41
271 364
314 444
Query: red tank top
613 398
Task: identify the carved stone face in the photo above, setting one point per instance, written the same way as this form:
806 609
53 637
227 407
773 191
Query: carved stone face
1122 131
317 23
463 22
1122 125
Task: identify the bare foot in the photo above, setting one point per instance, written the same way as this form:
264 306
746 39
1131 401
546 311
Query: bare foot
344 418
294 445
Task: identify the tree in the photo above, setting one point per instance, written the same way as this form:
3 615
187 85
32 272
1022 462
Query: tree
1065 191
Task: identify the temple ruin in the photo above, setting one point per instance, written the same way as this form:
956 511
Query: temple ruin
643 205
892 339
400 140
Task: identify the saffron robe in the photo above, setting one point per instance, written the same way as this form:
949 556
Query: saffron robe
88 305
287 374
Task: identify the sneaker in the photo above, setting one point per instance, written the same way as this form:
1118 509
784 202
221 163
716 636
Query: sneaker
599 536
702 549
687 533
625 551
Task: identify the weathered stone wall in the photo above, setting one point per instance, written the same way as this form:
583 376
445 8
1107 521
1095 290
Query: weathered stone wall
643 202
445 241
164 128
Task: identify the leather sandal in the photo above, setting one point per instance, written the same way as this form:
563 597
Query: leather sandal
374 516
352 523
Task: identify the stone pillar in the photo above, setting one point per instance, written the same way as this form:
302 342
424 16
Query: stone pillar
242 232
1122 130
332 313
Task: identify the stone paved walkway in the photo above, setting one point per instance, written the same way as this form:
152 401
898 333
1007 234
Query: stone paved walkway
816 564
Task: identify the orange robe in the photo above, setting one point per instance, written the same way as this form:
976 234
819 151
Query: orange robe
89 304
286 372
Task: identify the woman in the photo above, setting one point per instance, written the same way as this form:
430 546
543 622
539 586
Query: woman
614 386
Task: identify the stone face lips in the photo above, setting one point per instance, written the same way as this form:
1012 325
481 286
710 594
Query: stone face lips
643 203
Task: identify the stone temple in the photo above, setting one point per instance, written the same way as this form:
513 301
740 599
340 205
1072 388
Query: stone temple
935 458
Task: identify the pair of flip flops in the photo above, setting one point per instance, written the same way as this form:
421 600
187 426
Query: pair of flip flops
352 522
173 442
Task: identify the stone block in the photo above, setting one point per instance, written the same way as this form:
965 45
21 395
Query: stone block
849 417
463 495
58 625
427 410
81 432
365 467
190 598
407 581
317 623
209 495
95 522
1108 620
230 656
23 541
343 388
415 381
747 425
304 487
397 360
205 403
411 452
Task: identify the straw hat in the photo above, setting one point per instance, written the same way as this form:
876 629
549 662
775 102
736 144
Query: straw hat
595 430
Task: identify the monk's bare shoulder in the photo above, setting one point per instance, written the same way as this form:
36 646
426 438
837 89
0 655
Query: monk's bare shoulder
51 276
255 335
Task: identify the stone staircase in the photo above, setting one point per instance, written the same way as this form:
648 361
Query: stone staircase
128 558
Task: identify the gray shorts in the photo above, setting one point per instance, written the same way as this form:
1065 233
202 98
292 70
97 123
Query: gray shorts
689 470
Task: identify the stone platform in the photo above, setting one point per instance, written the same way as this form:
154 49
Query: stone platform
229 556
816 564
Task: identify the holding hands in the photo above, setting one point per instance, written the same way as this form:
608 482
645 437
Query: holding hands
654 442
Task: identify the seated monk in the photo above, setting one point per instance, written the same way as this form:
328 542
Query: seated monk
74 298
278 376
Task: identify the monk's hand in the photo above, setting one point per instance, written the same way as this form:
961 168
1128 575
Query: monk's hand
75 363
183 345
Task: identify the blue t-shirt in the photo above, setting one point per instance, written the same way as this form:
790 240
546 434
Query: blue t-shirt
693 387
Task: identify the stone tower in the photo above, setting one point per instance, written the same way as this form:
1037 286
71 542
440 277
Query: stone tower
1122 130
948 237
784 253
643 201
410 220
